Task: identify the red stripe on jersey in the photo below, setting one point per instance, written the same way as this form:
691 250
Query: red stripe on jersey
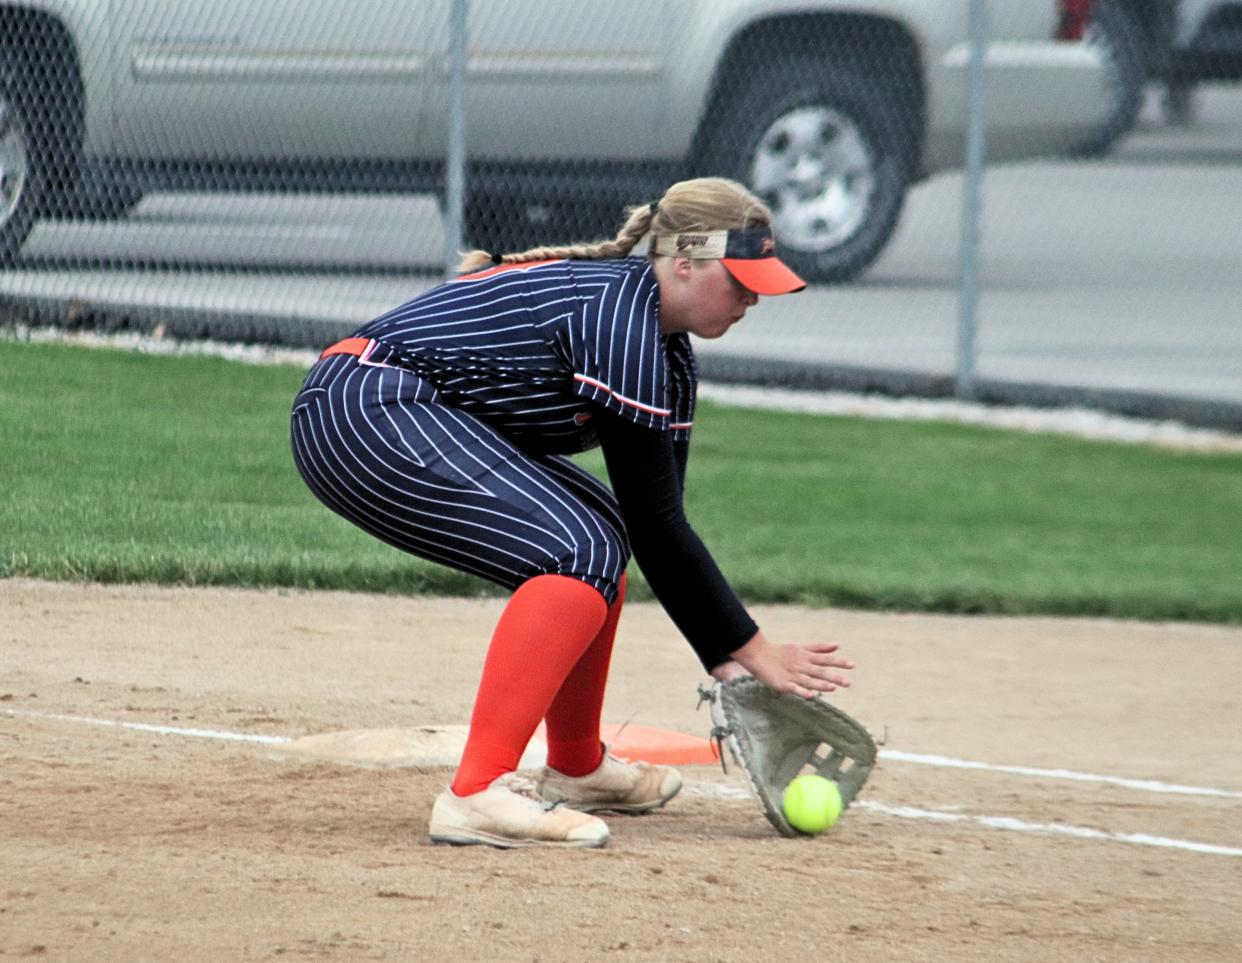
621 398
519 266
354 346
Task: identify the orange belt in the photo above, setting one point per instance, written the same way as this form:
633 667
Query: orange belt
355 346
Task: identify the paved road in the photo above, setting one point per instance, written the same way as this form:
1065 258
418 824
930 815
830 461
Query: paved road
1121 274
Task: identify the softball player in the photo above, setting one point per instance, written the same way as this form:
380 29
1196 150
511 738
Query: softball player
442 428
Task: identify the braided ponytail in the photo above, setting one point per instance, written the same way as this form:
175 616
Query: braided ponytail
701 204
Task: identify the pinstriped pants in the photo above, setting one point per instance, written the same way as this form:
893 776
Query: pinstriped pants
378 446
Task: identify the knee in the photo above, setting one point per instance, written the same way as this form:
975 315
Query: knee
601 562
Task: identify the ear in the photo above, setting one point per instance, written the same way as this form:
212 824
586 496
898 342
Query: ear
682 267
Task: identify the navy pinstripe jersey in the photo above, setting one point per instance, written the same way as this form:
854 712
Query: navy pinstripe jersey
525 348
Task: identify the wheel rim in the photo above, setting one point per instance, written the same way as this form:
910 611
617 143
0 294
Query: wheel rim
14 161
813 168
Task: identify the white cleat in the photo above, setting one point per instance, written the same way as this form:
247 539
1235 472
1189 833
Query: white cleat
508 814
617 786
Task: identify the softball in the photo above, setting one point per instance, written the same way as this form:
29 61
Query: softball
811 804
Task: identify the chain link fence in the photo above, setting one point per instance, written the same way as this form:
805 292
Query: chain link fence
285 171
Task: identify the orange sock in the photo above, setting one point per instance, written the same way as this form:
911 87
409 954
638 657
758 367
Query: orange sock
542 633
574 746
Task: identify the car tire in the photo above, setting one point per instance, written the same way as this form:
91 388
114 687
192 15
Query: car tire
1117 32
825 149
23 175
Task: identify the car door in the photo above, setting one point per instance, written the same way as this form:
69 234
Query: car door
270 80
560 78
1042 94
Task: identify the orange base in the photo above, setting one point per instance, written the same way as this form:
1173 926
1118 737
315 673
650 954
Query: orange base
648 744
658 745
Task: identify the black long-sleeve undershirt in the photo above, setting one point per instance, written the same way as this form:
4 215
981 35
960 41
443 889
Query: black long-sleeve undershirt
647 472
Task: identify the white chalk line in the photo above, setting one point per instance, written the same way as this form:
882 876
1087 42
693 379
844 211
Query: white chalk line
148 727
1047 829
731 792
896 755
1006 823
1145 785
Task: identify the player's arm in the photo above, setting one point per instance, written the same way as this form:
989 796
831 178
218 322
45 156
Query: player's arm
681 456
647 478
644 474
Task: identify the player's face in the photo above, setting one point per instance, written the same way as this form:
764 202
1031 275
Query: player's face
707 300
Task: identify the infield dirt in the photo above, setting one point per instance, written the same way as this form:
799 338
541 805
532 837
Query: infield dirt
120 844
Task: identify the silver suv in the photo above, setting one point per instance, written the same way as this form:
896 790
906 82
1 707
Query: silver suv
829 109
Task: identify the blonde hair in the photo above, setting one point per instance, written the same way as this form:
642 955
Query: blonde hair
701 204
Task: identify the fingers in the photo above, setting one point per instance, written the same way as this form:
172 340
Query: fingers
808 685
806 688
805 670
810 689
821 653
796 683
818 665
818 675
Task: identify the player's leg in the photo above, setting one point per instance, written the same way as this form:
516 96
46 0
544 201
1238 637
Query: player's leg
441 485
377 447
546 625
549 622
580 771
573 719
381 451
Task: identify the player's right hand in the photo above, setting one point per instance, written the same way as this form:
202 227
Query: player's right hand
803 669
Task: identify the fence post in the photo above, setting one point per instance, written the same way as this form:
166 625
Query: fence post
455 162
972 203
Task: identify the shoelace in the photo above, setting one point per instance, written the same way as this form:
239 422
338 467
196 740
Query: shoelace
628 763
526 787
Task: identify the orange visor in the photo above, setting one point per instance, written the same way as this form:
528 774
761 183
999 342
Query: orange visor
749 255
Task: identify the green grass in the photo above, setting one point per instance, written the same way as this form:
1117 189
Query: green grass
126 467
